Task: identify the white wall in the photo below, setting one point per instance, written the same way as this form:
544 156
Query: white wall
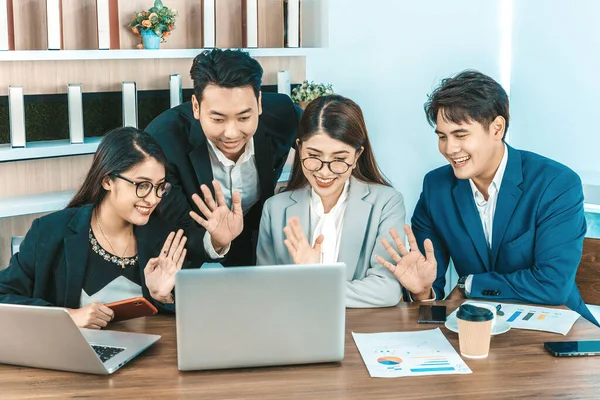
387 55
555 85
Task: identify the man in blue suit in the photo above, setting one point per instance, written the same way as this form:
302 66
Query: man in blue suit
512 221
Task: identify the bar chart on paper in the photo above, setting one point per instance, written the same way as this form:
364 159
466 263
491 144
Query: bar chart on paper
431 364
395 354
413 363
531 316
538 318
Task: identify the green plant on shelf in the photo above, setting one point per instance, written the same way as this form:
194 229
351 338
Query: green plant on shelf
308 91
158 19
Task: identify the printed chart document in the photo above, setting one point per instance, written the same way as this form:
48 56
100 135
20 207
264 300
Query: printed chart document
595 310
522 316
396 354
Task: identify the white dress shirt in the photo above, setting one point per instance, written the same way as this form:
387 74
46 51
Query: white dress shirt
329 224
241 175
487 208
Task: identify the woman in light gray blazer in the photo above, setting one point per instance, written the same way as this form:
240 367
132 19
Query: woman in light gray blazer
337 206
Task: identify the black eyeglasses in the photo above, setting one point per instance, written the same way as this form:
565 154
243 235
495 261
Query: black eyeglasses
315 164
143 189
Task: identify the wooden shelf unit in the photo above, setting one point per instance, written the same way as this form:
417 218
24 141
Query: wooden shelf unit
88 55
41 177
79 24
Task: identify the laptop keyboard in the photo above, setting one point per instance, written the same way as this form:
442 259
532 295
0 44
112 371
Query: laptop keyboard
105 353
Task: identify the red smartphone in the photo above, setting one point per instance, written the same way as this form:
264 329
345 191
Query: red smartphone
131 308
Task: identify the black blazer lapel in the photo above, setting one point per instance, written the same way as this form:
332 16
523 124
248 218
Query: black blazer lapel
463 198
149 242
76 255
263 154
201 162
199 156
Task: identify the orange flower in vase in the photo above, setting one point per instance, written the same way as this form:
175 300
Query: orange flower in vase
154 24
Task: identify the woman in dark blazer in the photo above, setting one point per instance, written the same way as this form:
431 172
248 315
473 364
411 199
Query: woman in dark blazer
105 246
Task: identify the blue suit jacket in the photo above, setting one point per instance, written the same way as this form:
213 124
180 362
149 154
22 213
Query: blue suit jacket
537 236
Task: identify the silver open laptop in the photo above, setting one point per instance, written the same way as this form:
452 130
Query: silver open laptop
47 337
258 316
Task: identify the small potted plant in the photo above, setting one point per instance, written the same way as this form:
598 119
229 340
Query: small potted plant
153 25
308 91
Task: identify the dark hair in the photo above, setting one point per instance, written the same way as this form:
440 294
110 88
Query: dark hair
120 150
468 96
227 69
341 119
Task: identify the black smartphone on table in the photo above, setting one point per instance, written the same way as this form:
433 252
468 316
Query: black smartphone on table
576 348
432 314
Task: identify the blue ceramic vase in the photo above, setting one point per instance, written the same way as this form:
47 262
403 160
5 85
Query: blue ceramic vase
150 40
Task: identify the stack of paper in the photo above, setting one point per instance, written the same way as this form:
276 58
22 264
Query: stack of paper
130 105
292 23
283 82
103 17
75 101
250 23
208 23
6 25
54 17
16 116
175 92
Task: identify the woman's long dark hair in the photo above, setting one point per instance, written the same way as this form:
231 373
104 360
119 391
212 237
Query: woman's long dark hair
120 150
342 119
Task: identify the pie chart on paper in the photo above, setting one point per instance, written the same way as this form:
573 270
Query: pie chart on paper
389 360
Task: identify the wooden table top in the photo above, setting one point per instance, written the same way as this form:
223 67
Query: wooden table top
588 273
517 367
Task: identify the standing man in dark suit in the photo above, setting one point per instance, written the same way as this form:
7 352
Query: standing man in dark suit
231 139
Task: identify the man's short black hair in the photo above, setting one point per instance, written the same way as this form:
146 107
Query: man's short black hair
468 96
227 69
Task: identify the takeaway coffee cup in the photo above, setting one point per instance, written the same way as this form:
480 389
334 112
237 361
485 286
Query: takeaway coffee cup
474 330
489 307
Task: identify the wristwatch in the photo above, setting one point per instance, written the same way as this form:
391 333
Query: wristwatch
461 285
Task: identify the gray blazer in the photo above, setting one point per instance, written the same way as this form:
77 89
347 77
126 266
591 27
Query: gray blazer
371 211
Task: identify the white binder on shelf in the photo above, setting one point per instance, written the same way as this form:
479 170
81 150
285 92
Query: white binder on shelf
75 101
209 23
16 113
175 91
103 20
292 23
6 25
250 23
15 243
54 24
130 104
283 82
